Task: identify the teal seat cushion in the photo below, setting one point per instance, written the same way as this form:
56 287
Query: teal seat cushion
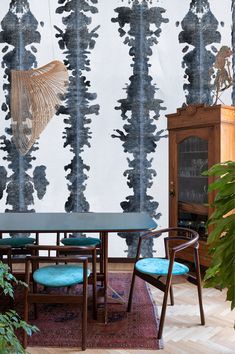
59 275
81 241
17 241
159 266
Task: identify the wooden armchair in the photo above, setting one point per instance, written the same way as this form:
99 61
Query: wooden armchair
153 269
17 247
73 270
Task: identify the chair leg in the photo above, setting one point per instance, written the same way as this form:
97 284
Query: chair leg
199 286
57 244
171 293
94 285
9 263
131 292
84 315
164 305
35 308
172 296
9 260
26 303
26 317
102 257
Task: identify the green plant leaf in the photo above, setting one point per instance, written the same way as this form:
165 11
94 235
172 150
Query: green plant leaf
226 191
10 321
221 182
225 208
220 169
221 239
211 272
220 227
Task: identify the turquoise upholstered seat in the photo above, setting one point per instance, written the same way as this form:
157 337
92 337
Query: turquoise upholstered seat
159 266
17 241
81 241
59 275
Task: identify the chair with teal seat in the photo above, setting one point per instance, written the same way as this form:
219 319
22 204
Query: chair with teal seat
80 241
84 241
153 269
18 247
61 271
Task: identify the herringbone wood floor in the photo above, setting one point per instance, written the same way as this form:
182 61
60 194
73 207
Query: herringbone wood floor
182 332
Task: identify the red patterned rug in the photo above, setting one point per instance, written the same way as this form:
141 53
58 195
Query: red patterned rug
60 324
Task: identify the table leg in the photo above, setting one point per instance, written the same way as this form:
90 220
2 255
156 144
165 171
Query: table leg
101 258
104 240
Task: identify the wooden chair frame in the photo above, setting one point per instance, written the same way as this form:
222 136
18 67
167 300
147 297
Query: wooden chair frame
6 250
99 251
34 297
16 251
189 238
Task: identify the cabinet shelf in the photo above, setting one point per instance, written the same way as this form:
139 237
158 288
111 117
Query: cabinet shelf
197 177
193 208
194 152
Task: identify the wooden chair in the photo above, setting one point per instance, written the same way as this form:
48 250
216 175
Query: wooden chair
5 250
59 275
18 247
84 241
153 269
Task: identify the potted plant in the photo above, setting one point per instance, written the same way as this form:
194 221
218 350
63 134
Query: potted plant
221 239
10 321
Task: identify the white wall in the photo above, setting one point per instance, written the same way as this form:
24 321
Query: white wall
110 71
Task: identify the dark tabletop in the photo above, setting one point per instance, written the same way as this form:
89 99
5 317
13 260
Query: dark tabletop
75 222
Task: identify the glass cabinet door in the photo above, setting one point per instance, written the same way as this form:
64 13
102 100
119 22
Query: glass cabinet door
192 186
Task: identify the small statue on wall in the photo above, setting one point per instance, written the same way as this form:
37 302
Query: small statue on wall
223 77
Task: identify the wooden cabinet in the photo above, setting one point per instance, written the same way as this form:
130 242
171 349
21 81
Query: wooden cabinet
199 136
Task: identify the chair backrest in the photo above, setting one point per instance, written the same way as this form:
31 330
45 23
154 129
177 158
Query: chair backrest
184 238
34 249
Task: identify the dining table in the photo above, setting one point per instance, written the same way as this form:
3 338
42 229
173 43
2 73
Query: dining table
103 223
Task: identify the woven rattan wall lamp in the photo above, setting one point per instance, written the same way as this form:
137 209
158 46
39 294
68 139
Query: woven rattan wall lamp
35 97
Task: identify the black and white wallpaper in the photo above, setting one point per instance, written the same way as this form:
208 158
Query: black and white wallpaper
129 62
